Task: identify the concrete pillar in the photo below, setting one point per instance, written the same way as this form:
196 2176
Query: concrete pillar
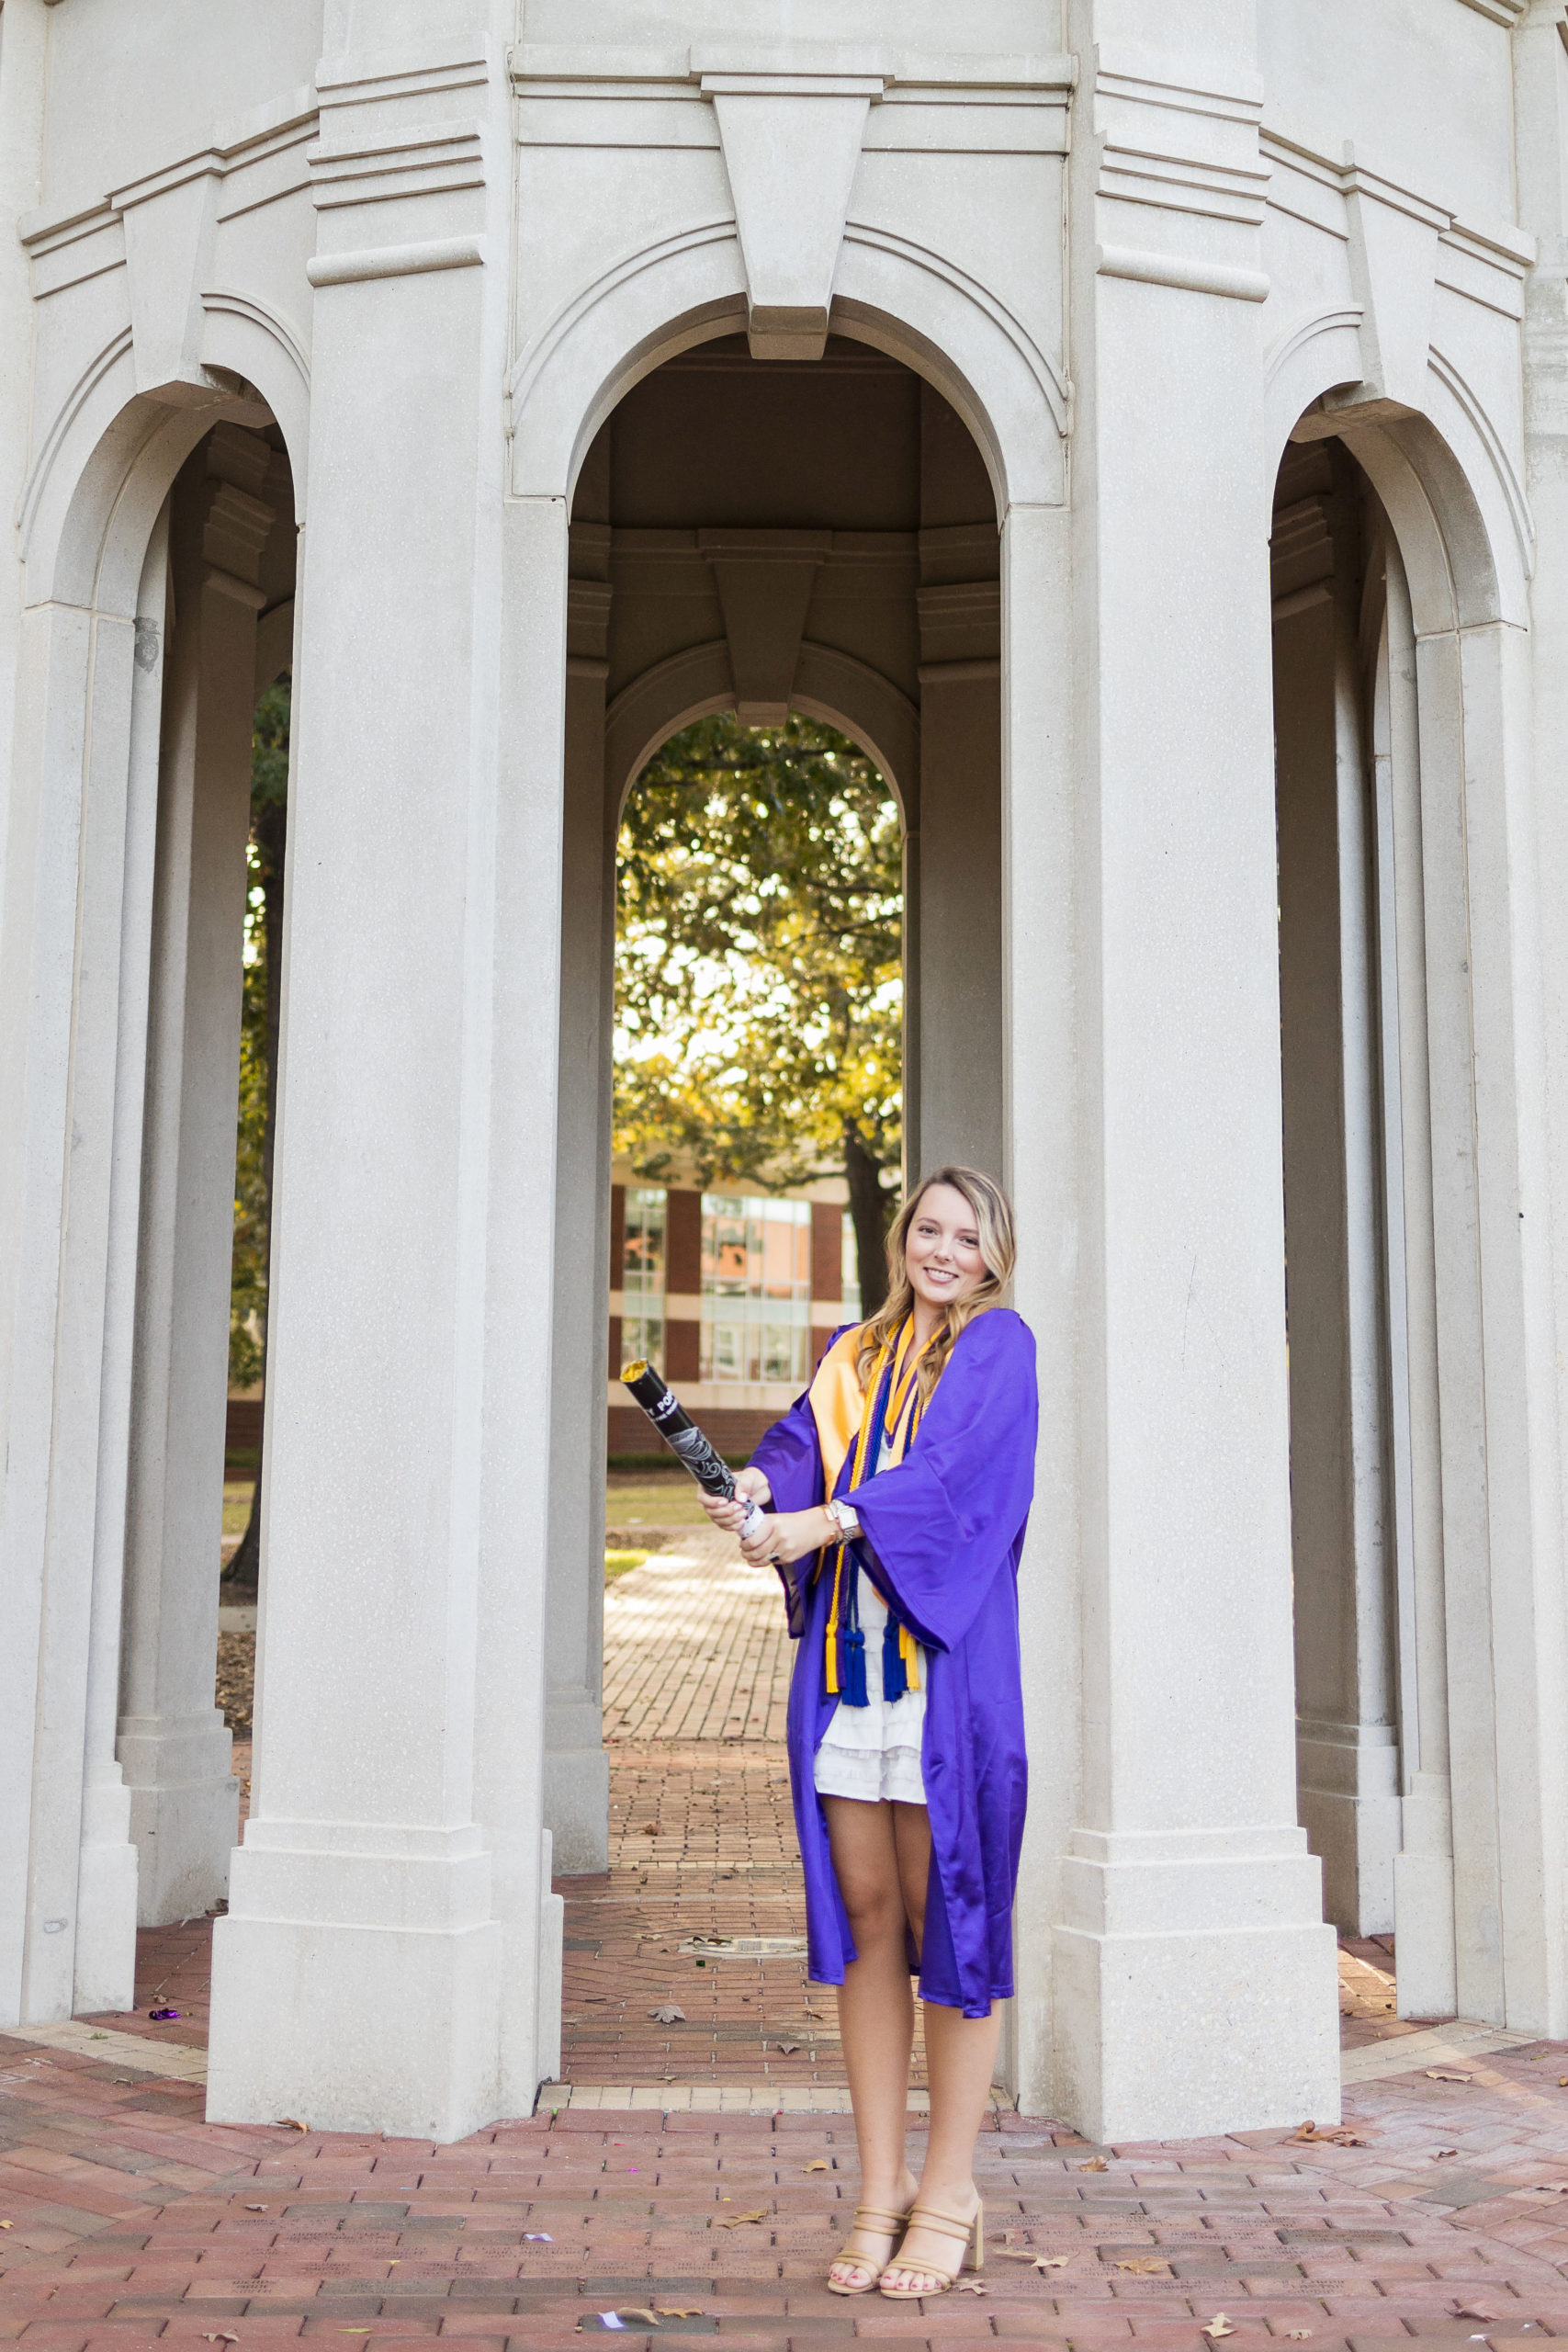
174 1744
107 1895
956 970
1347 1740
387 1955
577 1769
1424 1868
1195 1981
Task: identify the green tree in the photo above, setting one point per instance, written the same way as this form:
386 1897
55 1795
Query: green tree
258 1073
758 975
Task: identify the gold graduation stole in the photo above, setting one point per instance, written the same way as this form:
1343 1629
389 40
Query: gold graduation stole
848 1420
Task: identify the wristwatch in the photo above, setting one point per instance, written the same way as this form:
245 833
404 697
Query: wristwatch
844 1519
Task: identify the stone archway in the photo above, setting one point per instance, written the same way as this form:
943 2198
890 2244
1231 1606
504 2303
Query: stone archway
727 551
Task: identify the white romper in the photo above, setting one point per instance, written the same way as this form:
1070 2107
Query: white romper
874 1752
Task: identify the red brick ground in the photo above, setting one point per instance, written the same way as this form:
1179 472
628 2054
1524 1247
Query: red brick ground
131 2222
134 2223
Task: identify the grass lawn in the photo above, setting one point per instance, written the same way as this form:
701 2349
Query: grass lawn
653 1498
236 1505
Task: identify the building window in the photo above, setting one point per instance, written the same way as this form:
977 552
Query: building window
642 1280
756 1289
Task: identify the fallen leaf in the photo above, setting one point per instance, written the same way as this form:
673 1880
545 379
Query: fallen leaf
256 2208
1472 2311
679 2311
1446 2074
1544 2188
1444 2151
637 2310
788 2048
1563 2082
1217 2326
1146 2266
1338 2135
668 2014
5 2225
1095 2164
1298 2334
819 2164
209 2335
291 2123
97 2037
650 1828
738 2221
1050 2262
972 2287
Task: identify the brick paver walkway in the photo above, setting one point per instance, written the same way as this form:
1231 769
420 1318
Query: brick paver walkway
131 2222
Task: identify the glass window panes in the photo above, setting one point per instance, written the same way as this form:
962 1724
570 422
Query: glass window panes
756 1288
642 1277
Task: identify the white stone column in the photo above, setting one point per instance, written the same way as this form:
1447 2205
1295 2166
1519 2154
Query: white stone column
1347 1740
1423 1867
959 927
381 1961
174 1744
1195 1986
576 1768
104 1973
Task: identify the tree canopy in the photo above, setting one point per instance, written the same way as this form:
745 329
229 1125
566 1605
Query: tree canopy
759 1000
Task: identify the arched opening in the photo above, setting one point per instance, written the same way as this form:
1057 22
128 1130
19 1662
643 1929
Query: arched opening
755 540
1385 644
173 558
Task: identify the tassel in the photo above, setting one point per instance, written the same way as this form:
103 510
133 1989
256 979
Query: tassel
830 1660
895 1680
854 1667
909 1651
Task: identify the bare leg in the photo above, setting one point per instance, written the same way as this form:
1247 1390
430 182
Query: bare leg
876 2017
960 2059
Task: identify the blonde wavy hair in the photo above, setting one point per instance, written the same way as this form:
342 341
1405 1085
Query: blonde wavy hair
998 1248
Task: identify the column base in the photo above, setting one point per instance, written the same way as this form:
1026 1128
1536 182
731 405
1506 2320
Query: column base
104 1963
357 1981
1427 1970
1195 1989
184 1812
1348 1781
576 1798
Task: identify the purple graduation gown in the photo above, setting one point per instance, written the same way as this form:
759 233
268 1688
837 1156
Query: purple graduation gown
940 1539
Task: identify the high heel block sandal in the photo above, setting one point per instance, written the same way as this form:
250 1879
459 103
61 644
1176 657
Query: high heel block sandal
871 2214
972 2234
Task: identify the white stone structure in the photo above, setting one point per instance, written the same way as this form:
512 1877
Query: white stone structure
936 371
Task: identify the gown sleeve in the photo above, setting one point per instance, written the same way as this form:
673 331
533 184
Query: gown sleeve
936 1530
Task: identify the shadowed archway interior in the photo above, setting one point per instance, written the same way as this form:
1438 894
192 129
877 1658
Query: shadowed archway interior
761 536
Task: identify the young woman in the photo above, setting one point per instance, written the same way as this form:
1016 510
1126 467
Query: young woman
898 1491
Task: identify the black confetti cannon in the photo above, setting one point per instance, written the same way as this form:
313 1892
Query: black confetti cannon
683 1438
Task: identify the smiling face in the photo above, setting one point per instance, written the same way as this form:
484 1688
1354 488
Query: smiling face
941 1248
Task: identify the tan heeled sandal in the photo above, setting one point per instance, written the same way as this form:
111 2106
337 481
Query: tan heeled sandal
873 2214
947 2225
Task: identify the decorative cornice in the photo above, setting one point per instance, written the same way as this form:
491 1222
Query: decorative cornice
811 63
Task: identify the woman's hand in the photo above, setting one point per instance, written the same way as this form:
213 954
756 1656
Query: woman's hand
750 1484
790 1535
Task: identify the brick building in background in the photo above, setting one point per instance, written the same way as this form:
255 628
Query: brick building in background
732 1294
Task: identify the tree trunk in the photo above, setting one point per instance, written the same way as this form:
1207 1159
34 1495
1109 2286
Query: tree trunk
269 827
869 1205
